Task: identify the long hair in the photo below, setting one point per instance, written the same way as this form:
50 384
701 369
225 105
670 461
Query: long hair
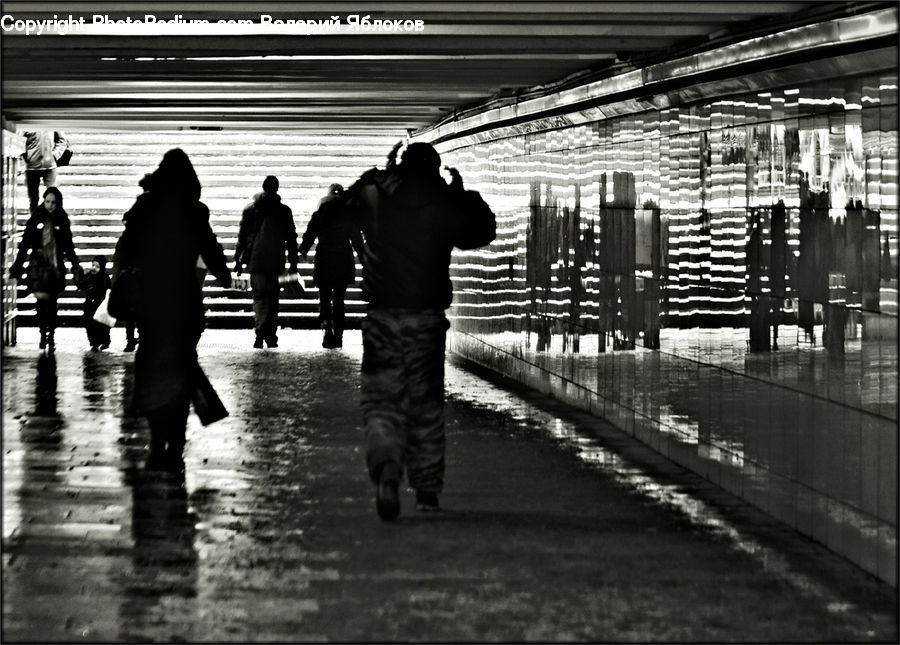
175 175
53 190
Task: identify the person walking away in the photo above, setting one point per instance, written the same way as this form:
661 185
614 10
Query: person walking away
166 230
131 339
46 243
95 284
266 233
334 267
42 149
410 219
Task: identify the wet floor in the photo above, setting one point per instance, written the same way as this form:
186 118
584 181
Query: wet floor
555 527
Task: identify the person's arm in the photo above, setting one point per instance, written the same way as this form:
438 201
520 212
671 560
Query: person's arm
311 233
60 143
291 240
243 234
211 251
25 245
68 244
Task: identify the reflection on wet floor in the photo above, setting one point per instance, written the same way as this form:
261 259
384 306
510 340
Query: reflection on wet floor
272 535
631 476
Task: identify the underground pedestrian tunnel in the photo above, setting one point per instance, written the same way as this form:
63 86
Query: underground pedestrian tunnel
696 202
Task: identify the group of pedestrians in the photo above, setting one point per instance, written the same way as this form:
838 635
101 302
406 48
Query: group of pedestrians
401 221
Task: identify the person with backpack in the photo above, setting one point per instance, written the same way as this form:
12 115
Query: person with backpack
267 232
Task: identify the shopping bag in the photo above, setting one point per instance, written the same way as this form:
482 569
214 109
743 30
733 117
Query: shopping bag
102 314
292 284
207 404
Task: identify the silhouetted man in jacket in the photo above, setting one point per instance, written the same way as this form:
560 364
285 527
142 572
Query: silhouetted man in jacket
411 220
267 231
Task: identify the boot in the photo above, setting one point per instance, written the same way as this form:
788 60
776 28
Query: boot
328 337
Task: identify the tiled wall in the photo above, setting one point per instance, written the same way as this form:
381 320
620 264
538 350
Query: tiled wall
719 280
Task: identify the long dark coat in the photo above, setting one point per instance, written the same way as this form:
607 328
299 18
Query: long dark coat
31 247
164 235
337 233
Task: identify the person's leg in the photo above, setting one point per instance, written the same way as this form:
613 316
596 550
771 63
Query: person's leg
130 340
168 426
51 322
33 184
325 315
49 176
337 314
424 339
272 293
384 400
40 312
90 327
260 306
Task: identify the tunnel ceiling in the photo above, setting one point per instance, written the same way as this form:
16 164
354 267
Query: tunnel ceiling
278 76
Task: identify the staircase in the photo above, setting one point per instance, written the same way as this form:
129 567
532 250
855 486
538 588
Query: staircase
101 184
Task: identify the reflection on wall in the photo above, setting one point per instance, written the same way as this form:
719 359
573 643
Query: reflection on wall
718 280
773 209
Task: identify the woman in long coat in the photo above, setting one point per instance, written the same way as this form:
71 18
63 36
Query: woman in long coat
46 242
166 231
334 267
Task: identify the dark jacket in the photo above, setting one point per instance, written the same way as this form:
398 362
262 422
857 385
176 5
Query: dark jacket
164 235
267 231
43 148
31 248
411 222
94 286
336 230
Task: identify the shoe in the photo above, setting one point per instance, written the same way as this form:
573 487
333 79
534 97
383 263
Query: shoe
272 341
104 346
387 495
427 502
94 348
338 341
130 347
43 342
328 340
258 343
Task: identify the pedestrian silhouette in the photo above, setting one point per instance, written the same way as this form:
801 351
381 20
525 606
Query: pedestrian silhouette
334 268
46 242
165 231
411 219
266 233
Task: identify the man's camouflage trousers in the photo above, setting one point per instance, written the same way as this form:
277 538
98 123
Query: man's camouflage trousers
403 393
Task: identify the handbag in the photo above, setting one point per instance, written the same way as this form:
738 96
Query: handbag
207 404
292 284
102 314
66 157
125 295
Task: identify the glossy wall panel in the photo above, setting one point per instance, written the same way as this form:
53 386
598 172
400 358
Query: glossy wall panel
719 280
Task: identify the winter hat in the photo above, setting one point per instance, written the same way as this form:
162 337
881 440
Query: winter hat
270 184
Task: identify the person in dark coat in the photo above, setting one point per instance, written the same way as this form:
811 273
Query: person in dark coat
166 230
46 242
266 233
411 220
95 284
334 268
